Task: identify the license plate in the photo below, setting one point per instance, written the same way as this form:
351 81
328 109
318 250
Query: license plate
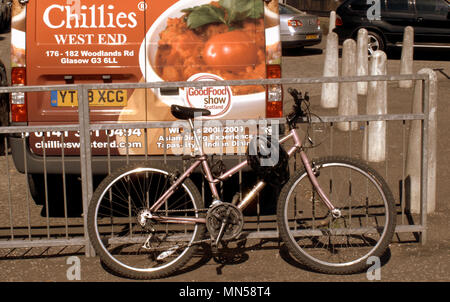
68 98
312 37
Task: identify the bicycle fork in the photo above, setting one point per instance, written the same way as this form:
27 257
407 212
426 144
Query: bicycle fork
311 171
336 213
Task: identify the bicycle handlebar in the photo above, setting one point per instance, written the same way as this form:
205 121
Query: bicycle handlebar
297 111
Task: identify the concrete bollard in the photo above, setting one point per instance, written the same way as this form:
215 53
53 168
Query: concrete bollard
406 62
348 95
332 22
374 147
330 91
414 152
362 59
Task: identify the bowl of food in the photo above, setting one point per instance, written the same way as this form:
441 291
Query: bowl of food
197 40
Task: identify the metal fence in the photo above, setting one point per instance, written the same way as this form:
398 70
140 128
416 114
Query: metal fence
26 223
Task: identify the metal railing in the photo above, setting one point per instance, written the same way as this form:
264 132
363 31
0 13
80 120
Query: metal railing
23 227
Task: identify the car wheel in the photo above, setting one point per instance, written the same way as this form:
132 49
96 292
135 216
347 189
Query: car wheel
376 42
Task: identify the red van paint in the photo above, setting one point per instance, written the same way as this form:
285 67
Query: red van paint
111 41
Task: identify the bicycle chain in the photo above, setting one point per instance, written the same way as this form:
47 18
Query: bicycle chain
161 249
177 211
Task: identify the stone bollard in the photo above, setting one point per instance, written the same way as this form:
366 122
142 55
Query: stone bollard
348 95
330 91
374 147
406 62
332 22
414 152
362 59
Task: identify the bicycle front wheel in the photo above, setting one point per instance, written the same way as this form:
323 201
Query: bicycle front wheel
124 234
337 245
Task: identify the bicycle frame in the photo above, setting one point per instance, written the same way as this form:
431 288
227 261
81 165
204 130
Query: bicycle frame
247 200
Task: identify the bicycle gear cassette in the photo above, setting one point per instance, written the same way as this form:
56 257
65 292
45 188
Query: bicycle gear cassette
224 215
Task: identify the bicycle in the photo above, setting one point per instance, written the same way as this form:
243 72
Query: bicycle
146 222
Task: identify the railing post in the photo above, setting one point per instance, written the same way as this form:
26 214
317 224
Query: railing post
85 160
430 97
421 157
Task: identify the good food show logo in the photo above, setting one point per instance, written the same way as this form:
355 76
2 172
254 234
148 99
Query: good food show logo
216 99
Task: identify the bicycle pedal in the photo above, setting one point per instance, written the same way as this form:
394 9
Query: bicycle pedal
214 248
167 253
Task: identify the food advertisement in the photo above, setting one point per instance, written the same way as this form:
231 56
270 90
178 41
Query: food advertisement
86 41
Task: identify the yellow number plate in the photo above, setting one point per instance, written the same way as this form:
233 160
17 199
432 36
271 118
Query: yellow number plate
68 98
312 37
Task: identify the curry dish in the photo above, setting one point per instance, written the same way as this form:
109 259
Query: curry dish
231 53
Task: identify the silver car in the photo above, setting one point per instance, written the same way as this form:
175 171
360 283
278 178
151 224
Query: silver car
297 28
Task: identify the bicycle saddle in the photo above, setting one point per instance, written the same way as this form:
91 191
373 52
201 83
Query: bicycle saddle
185 113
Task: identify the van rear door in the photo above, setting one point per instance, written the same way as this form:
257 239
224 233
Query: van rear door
87 41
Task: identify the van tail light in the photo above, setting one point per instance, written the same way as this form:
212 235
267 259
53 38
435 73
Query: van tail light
339 21
274 93
17 99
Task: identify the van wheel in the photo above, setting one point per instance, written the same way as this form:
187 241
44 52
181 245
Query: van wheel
4 116
4 107
54 197
36 189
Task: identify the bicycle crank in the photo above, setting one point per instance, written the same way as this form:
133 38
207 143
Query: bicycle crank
224 221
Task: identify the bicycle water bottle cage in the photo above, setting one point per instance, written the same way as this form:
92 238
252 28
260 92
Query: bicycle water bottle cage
186 113
268 159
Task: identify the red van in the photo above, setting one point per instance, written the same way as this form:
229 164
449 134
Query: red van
111 41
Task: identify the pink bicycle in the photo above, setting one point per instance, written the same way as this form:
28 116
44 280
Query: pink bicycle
146 222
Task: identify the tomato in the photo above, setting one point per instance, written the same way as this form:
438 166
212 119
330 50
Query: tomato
232 50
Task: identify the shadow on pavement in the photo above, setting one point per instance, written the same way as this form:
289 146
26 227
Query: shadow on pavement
422 54
286 256
301 51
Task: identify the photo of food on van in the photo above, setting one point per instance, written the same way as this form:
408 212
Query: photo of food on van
229 49
228 40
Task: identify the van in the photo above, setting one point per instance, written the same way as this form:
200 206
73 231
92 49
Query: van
57 42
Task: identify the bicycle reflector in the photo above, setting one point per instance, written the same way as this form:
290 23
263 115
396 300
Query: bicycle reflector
17 99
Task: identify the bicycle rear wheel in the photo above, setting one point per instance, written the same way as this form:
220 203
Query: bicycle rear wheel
126 239
337 245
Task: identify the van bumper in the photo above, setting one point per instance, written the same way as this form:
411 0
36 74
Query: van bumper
25 160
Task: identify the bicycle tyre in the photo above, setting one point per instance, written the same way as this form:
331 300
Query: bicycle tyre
122 243
319 241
